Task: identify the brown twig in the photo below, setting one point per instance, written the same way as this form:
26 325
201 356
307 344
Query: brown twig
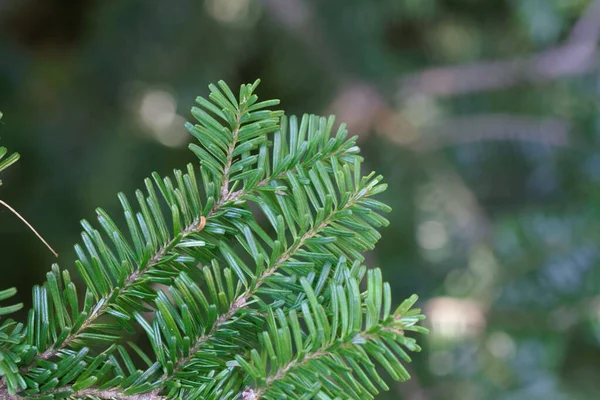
101 394
29 226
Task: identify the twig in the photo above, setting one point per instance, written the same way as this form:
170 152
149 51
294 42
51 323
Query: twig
29 226
99 394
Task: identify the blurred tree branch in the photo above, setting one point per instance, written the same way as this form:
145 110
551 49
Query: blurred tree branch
481 127
363 108
576 56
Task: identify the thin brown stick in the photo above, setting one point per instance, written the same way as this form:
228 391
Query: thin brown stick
29 226
94 393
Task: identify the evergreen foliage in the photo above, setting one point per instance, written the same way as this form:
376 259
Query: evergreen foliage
247 286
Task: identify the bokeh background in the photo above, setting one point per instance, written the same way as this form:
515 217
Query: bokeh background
482 115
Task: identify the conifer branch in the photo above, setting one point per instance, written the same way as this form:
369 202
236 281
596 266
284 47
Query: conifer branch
336 345
307 183
243 300
159 255
100 311
326 351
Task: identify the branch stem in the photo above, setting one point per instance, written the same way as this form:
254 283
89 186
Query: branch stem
97 393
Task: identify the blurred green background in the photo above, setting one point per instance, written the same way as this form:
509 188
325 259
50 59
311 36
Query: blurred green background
482 116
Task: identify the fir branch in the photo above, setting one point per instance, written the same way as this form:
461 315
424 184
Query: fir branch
307 183
163 251
325 351
100 311
242 301
227 200
338 344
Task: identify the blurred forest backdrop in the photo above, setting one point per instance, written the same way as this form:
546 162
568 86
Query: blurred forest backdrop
483 115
